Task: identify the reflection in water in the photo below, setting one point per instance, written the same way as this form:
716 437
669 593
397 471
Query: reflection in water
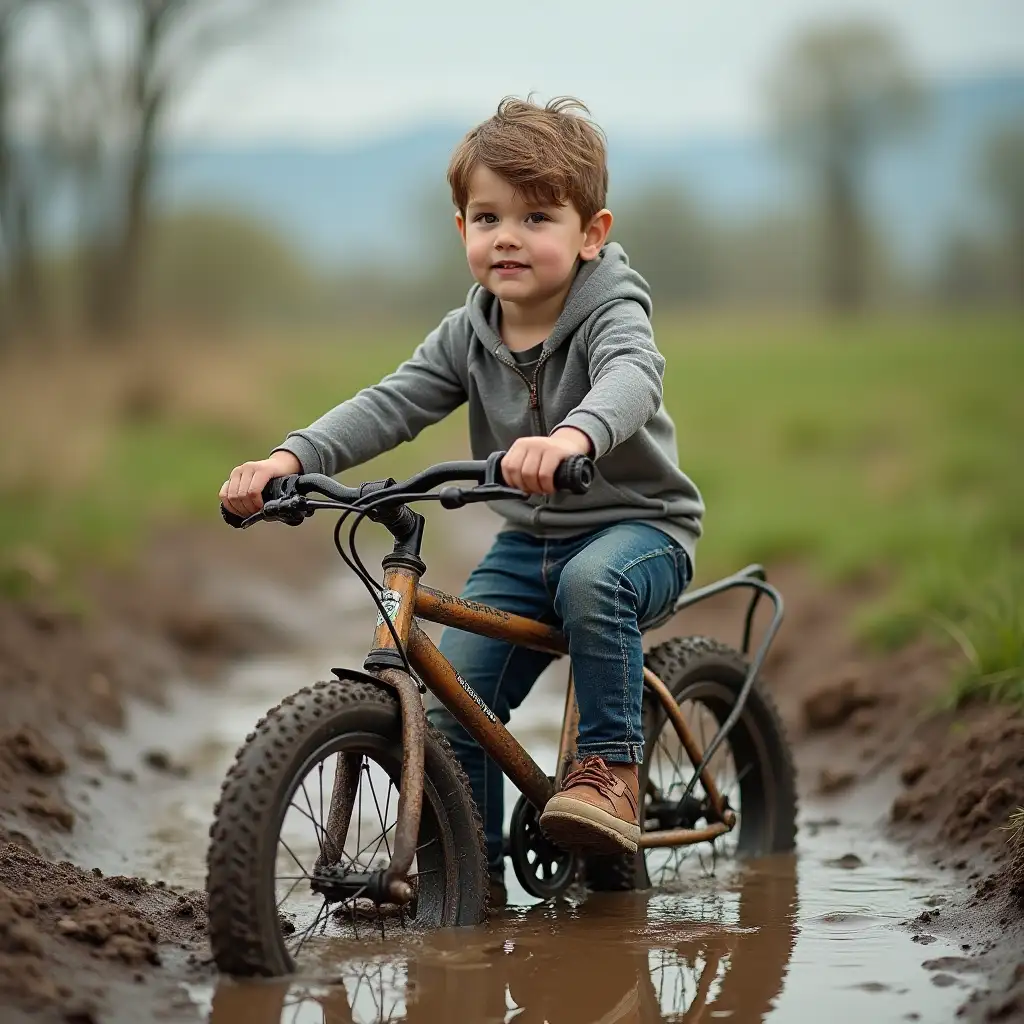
719 950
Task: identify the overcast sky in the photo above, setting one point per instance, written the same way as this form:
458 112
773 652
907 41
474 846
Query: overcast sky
336 69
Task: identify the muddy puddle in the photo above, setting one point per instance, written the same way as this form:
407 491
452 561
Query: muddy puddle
811 937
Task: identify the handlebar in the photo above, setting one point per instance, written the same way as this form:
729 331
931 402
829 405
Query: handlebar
574 476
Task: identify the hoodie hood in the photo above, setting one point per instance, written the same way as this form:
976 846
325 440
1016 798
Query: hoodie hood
606 278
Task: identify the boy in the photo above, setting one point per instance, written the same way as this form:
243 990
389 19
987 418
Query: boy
554 353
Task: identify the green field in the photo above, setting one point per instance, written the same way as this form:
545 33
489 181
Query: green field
891 445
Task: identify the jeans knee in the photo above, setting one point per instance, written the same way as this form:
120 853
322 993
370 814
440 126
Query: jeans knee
589 592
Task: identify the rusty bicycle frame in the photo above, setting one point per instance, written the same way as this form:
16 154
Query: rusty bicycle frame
404 659
406 601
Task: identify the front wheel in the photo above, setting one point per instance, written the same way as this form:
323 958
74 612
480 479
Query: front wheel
316 784
753 768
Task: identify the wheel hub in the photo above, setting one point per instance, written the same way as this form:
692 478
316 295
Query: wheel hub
544 870
337 885
673 814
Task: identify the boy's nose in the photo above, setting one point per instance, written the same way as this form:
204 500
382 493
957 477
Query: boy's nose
506 240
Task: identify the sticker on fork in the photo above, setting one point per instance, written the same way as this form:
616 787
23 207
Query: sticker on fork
391 599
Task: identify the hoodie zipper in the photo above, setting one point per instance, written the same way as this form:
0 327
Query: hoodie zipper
533 386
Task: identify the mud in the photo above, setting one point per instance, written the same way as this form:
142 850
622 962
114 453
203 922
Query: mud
115 729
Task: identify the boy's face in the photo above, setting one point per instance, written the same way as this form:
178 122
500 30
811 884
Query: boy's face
520 251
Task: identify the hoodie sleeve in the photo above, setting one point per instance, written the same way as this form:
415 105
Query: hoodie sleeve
423 390
626 371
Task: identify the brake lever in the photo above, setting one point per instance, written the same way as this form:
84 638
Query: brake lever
290 510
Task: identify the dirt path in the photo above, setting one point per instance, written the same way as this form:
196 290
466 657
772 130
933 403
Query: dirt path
94 942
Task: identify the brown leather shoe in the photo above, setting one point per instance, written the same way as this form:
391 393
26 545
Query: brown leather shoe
596 809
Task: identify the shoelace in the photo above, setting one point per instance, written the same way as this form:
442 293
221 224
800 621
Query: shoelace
592 771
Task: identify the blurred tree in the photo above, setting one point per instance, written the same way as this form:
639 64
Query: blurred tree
443 282
835 93
968 270
215 265
767 260
1003 175
170 41
22 309
670 243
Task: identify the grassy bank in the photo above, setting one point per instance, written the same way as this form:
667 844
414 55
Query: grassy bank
888 446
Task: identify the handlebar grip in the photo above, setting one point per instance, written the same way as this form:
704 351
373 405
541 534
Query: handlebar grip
235 522
276 488
575 474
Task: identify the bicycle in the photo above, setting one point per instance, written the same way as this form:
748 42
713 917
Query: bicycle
432 871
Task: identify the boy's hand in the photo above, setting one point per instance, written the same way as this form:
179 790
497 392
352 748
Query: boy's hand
531 462
242 492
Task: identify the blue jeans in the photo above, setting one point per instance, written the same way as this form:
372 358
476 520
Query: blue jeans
602 588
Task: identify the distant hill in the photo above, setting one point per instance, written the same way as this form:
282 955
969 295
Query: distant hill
364 203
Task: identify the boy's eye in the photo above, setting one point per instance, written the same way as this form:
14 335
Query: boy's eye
537 218
486 218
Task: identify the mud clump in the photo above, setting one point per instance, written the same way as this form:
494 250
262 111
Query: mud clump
119 934
965 781
207 633
1004 1002
831 780
980 807
161 761
22 974
18 932
52 810
33 750
56 920
92 750
128 883
834 705
915 768
191 904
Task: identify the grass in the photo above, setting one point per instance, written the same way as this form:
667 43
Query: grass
888 447
1015 826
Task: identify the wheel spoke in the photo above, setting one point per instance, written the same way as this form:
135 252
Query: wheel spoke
306 934
308 814
291 889
383 823
316 827
359 812
298 862
320 784
669 759
387 809
376 840
302 914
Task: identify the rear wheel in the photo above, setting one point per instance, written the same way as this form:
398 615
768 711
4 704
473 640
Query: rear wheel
317 784
753 769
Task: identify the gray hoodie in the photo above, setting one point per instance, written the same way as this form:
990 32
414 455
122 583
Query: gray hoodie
598 371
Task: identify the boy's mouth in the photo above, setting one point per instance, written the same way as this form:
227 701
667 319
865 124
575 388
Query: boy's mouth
508 265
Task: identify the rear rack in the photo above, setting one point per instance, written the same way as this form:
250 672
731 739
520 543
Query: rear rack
754 577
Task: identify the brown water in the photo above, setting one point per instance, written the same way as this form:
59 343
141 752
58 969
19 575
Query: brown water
810 937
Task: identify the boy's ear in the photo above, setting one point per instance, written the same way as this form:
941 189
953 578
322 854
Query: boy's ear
460 223
595 234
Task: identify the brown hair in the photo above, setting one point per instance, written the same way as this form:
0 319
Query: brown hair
550 155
